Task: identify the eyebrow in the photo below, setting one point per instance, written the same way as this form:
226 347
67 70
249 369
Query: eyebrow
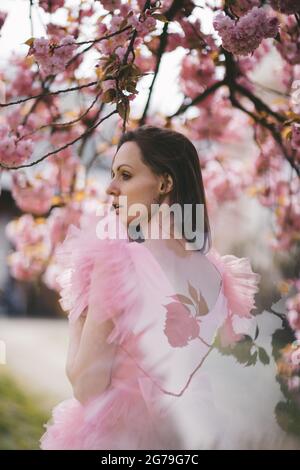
123 164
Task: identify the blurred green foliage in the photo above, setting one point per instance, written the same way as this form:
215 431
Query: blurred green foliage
21 419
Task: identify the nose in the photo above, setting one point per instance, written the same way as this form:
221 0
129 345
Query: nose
112 189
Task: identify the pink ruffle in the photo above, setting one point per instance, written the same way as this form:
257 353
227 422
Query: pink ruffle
240 283
75 257
117 419
100 274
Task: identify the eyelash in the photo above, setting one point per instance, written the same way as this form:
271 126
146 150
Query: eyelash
125 176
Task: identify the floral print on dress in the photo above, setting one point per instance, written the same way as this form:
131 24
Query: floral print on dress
182 324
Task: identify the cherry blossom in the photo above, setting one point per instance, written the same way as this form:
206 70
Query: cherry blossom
32 195
51 57
247 33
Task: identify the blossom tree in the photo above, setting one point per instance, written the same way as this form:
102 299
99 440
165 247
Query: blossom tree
42 141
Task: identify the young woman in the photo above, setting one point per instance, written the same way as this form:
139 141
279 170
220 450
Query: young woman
145 308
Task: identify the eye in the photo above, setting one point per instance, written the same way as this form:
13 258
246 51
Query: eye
126 176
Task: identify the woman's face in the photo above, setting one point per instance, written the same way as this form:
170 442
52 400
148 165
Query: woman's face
133 179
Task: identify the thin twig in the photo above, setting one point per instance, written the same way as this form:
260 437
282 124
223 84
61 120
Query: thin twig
68 144
63 124
48 93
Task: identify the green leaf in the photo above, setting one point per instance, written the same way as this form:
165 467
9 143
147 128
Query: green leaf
263 356
160 17
108 96
131 88
123 110
241 350
288 416
29 42
202 306
193 293
252 360
182 298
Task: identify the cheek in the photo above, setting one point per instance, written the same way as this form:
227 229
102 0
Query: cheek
142 191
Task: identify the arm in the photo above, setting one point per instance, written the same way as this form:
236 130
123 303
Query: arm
75 332
90 357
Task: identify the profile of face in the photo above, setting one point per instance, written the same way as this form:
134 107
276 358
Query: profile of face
132 178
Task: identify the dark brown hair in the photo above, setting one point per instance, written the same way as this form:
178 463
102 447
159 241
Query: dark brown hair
168 151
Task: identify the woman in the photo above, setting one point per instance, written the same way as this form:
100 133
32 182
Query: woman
145 305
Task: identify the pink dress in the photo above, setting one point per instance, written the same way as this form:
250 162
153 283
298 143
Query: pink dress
158 395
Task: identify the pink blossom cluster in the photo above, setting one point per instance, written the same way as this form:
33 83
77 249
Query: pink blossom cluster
288 366
32 194
217 120
30 238
24 266
287 215
142 24
245 35
221 185
197 73
275 191
118 44
111 5
60 219
50 6
35 239
286 6
24 231
295 141
146 63
289 45
108 46
293 382
53 58
293 314
64 164
26 131
64 170
23 83
268 159
13 152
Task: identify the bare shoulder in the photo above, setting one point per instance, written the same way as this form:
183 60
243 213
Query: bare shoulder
185 268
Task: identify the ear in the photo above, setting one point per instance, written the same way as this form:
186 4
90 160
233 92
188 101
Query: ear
167 183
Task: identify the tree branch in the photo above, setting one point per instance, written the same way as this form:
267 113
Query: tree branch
176 5
198 98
